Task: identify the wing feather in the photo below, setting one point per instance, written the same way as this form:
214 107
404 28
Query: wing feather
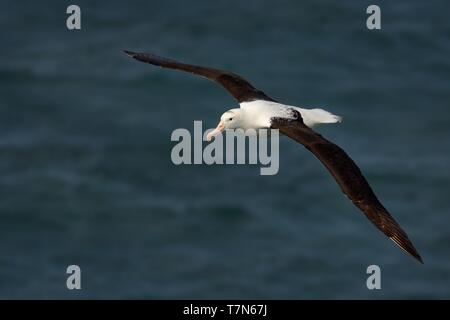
237 86
349 177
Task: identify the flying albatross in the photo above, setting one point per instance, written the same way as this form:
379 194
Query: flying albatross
257 110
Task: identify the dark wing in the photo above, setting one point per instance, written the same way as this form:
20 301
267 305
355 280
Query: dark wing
238 87
349 177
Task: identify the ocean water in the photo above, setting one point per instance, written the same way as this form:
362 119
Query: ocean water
86 176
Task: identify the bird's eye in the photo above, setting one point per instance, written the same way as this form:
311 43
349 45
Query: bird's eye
230 119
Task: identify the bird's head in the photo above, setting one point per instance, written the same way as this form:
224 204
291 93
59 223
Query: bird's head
231 119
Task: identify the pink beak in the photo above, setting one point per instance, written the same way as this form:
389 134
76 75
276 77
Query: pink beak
216 131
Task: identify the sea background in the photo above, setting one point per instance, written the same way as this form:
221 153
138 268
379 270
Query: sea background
86 176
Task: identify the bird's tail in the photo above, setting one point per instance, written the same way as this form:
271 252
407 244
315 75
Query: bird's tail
312 117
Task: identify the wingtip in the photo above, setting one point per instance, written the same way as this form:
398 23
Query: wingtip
419 258
130 53
413 252
405 244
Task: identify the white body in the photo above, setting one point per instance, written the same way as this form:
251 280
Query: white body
257 114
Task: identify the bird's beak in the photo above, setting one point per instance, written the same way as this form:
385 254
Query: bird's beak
216 131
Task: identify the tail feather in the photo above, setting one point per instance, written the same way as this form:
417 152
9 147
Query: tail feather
312 117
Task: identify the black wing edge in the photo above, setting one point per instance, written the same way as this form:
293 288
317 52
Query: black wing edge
237 86
349 177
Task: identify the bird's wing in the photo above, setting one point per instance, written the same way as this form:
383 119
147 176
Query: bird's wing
349 177
238 87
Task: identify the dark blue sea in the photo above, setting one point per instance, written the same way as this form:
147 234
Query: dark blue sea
86 176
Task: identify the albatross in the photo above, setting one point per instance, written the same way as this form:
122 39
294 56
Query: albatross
259 111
